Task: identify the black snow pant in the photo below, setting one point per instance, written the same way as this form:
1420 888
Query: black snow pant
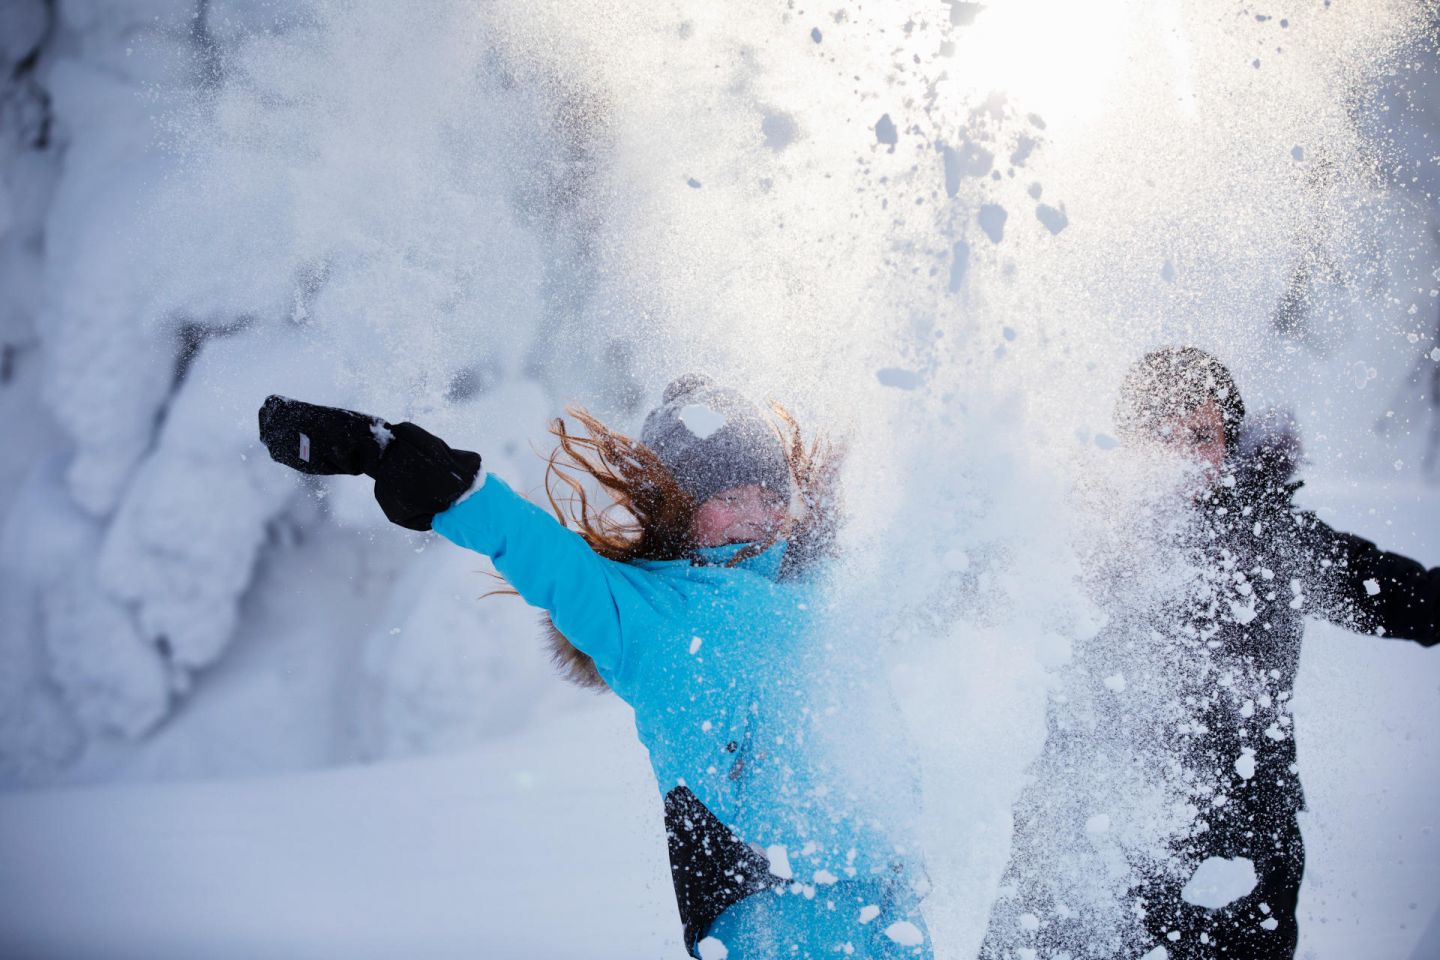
1258 926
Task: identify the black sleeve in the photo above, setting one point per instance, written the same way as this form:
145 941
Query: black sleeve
1368 589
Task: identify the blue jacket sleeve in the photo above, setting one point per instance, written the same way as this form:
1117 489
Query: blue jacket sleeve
593 601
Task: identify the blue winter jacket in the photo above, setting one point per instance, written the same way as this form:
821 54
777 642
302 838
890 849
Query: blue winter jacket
729 683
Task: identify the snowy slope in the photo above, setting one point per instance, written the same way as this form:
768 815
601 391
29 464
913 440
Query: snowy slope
471 214
548 843
545 845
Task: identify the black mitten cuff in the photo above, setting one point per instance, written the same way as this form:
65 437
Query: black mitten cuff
419 475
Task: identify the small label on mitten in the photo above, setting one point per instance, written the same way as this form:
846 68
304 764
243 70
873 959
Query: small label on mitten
304 448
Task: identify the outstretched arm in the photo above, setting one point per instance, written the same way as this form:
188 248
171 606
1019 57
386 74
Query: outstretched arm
422 483
593 601
1369 589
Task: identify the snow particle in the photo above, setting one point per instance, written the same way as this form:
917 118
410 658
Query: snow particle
825 878
992 219
780 130
701 420
1053 218
959 264
712 949
885 132
963 14
695 645
779 859
816 35
1245 763
1115 683
1029 922
898 378
1098 824
1219 881
905 933
868 913
1372 587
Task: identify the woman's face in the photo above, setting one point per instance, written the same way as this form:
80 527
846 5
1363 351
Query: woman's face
738 515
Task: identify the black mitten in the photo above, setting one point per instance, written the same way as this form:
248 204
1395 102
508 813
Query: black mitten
320 440
420 476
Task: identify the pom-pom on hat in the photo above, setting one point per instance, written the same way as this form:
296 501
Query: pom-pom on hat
711 438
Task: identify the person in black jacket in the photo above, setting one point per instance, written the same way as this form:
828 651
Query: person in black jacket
1223 734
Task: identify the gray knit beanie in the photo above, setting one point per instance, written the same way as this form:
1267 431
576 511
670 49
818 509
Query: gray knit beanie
711 439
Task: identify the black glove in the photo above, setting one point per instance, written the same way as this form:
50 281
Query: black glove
420 476
416 473
320 440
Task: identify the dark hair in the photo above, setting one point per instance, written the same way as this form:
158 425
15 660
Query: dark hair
1174 381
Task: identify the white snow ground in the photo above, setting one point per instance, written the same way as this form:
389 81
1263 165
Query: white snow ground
459 250
548 843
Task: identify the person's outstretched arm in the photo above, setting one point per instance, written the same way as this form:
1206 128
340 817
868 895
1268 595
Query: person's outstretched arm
422 483
595 602
1369 589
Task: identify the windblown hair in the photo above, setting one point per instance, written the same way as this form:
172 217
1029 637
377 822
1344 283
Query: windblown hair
649 515
1174 381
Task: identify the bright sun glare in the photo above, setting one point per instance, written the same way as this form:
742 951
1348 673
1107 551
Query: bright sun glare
1056 58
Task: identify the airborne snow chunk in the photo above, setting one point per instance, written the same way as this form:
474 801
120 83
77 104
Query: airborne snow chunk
1245 763
712 949
905 933
898 378
779 859
1219 881
701 420
992 219
1053 218
885 131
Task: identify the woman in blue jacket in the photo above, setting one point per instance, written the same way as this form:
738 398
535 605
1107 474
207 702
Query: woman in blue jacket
699 610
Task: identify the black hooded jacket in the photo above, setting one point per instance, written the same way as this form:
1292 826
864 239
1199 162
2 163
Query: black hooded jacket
1219 729
1276 565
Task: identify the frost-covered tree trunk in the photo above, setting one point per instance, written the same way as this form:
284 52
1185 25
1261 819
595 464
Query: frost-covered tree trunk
205 202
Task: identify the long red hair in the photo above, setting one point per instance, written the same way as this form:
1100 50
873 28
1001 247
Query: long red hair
649 516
